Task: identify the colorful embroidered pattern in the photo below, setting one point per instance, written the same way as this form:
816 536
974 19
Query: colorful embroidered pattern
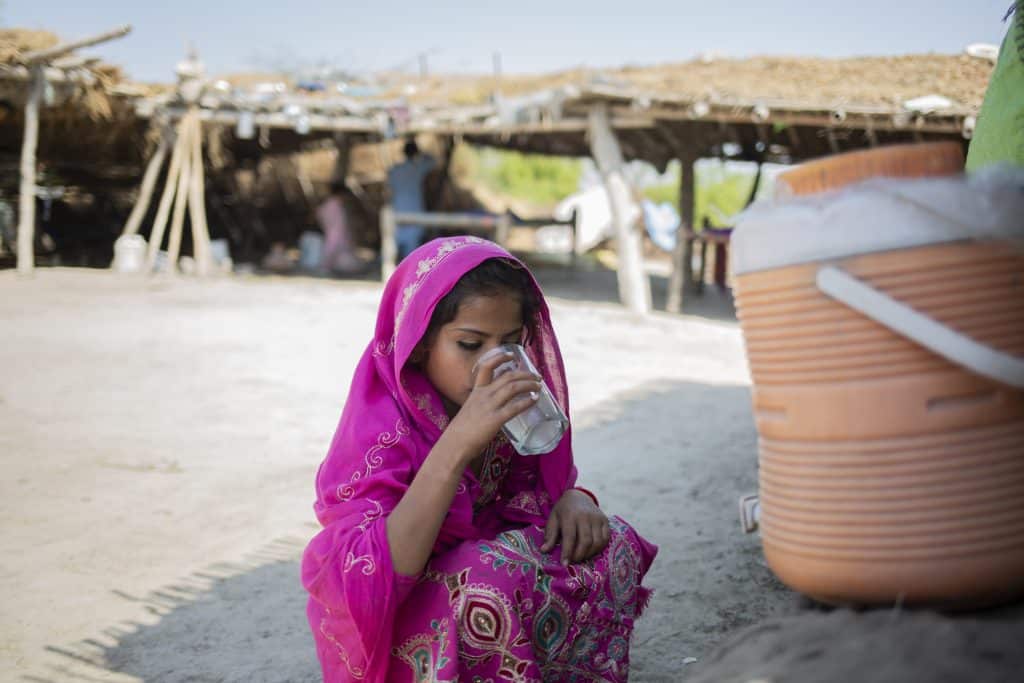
520 616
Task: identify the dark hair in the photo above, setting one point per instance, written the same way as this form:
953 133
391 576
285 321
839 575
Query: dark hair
492 277
411 149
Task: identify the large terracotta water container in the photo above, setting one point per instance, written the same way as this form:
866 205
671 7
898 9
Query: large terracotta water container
884 326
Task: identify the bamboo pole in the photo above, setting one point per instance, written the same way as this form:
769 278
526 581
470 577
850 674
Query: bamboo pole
131 227
27 191
197 204
181 197
156 235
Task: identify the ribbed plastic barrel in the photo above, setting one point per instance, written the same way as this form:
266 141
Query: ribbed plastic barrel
889 474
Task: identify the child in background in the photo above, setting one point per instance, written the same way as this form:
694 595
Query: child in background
445 555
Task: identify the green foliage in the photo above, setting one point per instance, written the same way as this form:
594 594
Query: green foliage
669 192
720 194
545 180
538 179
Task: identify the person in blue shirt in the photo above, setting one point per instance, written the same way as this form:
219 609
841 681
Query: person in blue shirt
406 182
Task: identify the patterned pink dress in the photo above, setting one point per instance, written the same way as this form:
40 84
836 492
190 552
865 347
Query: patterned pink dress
489 606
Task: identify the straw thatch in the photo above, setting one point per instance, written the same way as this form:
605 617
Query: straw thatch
809 81
87 123
15 42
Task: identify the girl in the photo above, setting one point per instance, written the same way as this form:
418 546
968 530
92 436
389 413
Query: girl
445 555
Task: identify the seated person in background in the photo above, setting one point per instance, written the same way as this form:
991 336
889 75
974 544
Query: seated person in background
338 255
406 182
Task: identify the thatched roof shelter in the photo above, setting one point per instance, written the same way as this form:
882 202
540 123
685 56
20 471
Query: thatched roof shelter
797 108
88 126
48 78
765 109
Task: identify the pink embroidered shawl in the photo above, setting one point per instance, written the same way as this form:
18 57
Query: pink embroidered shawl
391 420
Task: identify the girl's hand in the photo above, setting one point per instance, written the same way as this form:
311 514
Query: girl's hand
580 524
491 403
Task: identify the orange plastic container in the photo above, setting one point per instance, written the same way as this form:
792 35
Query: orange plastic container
891 432
895 161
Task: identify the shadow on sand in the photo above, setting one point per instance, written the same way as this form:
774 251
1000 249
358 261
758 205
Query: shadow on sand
671 458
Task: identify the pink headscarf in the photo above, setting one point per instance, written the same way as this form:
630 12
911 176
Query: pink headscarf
391 420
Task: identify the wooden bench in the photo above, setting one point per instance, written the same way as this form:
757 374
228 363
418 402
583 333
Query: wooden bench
494 227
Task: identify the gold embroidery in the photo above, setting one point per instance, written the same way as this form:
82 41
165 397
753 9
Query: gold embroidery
372 459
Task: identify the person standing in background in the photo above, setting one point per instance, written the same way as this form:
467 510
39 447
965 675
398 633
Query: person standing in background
406 182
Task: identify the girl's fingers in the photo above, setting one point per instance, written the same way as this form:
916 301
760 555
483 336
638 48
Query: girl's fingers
568 540
484 372
584 543
550 533
514 390
516 376
602 534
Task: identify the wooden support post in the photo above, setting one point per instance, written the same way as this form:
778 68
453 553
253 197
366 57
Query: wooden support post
131 227
501 229
197 204
302 175
682 255
27 191
702 274
181 197
833 143
343 143
634 287
156 235
388 243
794 141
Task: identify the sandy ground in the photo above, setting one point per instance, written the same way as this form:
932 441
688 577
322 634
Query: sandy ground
160 439
158 442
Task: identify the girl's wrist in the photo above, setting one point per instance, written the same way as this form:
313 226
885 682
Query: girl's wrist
457 455
588 493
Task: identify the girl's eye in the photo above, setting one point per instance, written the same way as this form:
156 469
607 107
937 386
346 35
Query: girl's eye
469 346
515 339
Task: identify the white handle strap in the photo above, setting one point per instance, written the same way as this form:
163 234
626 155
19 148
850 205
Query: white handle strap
926 331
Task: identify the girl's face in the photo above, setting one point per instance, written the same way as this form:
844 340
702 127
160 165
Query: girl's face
481 323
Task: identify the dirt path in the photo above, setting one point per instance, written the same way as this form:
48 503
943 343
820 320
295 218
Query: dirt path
159 442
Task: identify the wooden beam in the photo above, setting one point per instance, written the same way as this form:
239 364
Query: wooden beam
949 123
27 191
277 120
131 227
156 235
567 125
794 140
634 287
51 53
833 143
388 243
197 205
181 197
501 230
